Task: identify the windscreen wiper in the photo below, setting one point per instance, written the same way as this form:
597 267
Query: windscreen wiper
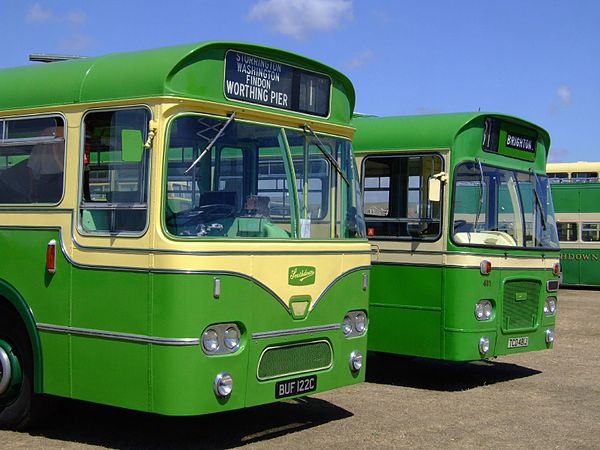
481 185
538 202
212 142
329 158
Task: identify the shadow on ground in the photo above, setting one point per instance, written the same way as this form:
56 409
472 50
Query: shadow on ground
435 375
110 427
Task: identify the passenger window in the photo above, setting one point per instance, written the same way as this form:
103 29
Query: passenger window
590 232
115 172
567 231
558 177
32 158
396 197
585 177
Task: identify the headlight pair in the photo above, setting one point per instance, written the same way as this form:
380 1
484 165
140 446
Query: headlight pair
354 323
221 338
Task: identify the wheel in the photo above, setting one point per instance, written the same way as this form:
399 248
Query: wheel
16 374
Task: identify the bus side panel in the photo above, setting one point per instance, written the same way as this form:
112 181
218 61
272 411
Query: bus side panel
105 370
589 266
406 310
570 265
23 256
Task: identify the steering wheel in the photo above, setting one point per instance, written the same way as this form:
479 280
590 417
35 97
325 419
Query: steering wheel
458 224
206 213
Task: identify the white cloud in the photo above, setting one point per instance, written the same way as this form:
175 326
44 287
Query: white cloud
360 60
37 14
563 99
297 18
558 154
564 95
76 17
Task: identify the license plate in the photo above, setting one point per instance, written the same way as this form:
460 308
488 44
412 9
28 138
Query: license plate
518 342
297 386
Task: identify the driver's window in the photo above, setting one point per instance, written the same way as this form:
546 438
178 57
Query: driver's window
396 197
114 181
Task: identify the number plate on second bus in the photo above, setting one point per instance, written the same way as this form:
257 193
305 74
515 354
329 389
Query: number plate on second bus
296 386
518 342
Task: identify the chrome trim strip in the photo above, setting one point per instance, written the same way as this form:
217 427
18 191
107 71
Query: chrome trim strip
412 307
130 337
454 266
295 331
299 371
546 253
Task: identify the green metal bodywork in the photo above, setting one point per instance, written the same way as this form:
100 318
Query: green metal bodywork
79 358
194 71
166 379
580 264
428 310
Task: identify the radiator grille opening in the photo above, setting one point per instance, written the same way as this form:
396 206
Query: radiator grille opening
293 359
520 307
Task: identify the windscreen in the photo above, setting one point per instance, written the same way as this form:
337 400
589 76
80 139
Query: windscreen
234 179
502 207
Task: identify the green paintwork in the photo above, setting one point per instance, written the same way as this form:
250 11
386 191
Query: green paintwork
166 379
576 197
428 310
431 313
169 380
580 266
193 71
461 132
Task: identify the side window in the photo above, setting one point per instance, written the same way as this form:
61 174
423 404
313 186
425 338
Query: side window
567 231
590 232
585 177
396 197
32 157
114 184
558 177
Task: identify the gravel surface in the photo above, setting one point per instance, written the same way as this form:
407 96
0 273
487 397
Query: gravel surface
548 399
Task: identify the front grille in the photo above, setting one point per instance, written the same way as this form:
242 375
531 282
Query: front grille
292 359
521 300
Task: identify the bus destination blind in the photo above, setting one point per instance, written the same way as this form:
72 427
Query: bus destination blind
264 82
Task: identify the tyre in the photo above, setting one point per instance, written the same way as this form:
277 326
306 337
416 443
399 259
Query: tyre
16 373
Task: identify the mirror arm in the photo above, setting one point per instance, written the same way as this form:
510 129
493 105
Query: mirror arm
442 176
152 127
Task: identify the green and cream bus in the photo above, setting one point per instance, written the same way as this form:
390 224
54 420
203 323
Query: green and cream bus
576 194
460 218
181 231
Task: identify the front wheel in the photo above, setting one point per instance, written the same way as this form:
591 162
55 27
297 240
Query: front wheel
16 376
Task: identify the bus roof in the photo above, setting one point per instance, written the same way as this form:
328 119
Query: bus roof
423 131
180 71
579 166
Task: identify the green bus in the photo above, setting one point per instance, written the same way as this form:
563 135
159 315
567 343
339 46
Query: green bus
461 223
181 231
576 194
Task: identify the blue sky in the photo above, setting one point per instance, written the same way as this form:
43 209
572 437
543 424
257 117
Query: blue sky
536 59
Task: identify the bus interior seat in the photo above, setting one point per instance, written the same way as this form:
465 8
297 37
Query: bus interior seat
257 206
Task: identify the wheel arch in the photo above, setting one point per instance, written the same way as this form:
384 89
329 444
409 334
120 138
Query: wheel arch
13 299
